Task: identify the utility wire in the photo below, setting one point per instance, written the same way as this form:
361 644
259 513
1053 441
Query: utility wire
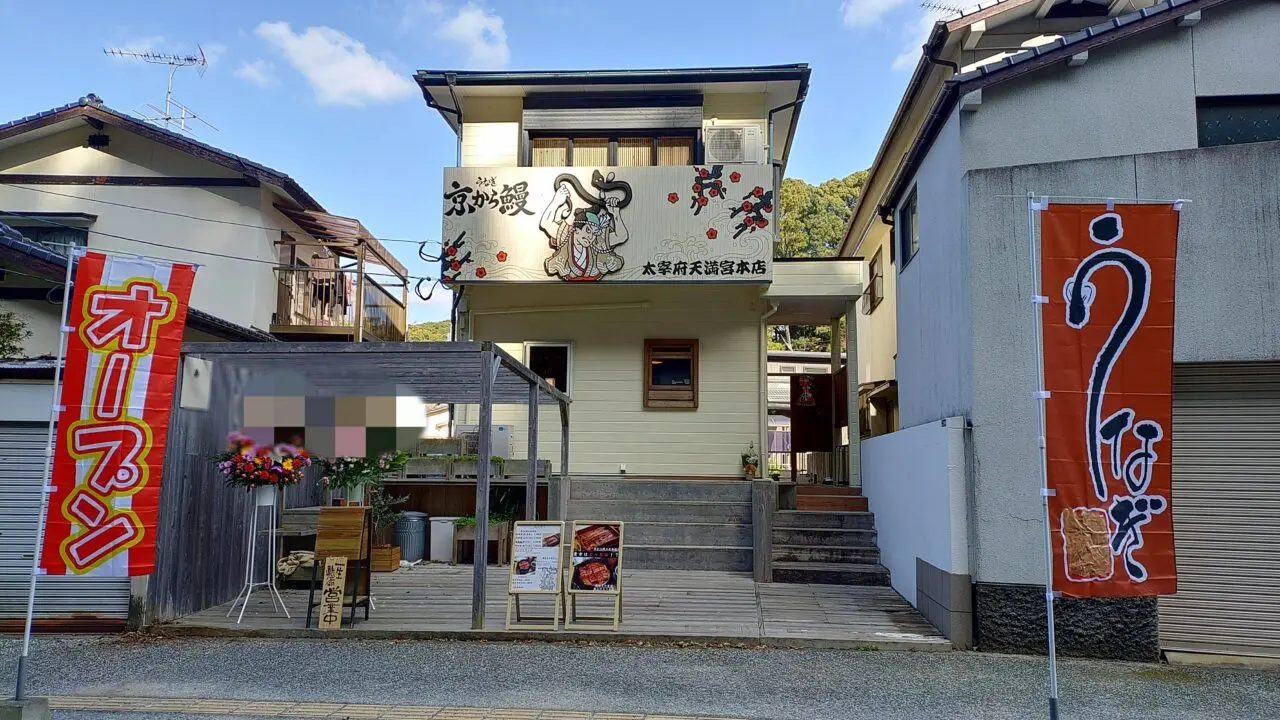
194 217
209 253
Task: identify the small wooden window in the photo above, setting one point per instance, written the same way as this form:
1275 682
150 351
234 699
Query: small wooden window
671 373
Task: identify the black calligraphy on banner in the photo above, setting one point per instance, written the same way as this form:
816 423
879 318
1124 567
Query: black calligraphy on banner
755 206
509 200
683 268
453 257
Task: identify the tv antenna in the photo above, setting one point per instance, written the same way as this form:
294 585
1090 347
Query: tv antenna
174 113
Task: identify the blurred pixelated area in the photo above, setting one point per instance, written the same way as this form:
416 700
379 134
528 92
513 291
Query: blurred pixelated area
337 426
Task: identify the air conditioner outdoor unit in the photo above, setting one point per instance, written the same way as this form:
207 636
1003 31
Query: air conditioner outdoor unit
733 144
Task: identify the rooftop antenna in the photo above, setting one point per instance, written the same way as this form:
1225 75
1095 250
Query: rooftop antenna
166 117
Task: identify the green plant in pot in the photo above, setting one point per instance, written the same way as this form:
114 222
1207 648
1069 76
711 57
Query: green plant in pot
384 515
351 476
504 507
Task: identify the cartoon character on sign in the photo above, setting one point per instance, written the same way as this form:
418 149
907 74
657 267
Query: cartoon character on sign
583 236
1105 436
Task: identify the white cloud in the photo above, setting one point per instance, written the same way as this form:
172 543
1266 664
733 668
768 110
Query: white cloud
416 13
480 33
149 43
259 72
864 13
341 71
914 33
213 52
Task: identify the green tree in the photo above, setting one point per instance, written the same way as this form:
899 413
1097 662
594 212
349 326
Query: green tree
13 330
812 225
437 331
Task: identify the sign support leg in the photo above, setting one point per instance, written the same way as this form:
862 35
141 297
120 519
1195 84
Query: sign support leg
1045 492
20 690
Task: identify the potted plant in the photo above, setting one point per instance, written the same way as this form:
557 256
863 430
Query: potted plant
262 469
750 461
467 466
350 476
384 515
504 507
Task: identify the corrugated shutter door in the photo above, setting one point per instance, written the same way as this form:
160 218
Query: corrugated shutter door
22 450
1226 510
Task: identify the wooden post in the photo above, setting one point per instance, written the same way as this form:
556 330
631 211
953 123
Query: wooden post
485 452
564 446
764 501
851 392
531 482
834 467
359 299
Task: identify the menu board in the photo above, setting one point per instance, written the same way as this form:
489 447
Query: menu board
535 557
597 557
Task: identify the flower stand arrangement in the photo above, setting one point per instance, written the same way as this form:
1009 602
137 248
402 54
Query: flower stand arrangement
347 478
262 470
750 461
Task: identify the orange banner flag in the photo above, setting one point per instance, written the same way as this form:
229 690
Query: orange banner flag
1108 365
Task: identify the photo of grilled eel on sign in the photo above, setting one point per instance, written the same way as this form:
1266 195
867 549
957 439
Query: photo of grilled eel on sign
595 557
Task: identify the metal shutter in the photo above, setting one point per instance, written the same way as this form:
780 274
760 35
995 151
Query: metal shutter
84 599
1226 510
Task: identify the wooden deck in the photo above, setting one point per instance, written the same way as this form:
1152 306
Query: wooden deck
435 601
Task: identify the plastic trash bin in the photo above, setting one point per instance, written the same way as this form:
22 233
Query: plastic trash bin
411 535
442 539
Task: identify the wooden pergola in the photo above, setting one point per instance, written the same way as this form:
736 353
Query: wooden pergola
479 373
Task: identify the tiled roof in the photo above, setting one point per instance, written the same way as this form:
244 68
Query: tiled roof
14 241
92 107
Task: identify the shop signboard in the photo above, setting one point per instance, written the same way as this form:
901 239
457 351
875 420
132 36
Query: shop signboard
537 555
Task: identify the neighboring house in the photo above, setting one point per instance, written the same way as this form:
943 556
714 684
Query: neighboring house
615 230
272 264
1178 100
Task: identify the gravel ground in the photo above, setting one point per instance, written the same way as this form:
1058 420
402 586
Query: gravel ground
766 684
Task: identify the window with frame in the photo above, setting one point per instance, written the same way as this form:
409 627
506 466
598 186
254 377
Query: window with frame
875 281
908 229
628 149
1238 119
549 361
671 373
56 239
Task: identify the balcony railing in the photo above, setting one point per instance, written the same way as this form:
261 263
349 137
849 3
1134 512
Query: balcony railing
315 301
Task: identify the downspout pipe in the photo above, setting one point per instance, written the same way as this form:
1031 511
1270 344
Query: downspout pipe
452 79
764 387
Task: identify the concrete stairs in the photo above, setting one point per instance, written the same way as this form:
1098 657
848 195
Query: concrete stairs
671 523
831 544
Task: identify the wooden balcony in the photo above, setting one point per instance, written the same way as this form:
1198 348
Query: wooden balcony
322 302
326 287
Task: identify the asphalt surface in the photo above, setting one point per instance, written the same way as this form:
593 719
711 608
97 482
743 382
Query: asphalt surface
746 683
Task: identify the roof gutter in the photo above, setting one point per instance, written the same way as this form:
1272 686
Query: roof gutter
776 165
1120 28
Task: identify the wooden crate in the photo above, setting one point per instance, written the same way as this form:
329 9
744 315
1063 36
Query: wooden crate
386 558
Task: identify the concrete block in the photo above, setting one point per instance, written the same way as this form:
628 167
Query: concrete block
706 491
818 536
661 511
28 709
826 554
653 557
852 520
720 534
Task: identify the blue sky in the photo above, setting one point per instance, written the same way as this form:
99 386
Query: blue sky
321 90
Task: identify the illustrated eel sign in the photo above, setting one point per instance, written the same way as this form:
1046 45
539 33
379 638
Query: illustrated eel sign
126 320
1108 363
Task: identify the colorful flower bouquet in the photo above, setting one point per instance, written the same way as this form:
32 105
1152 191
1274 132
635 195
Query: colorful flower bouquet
253 466
352 472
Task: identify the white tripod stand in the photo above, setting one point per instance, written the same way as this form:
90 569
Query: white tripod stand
264 496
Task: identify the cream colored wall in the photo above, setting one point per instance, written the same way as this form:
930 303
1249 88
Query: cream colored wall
738 109
878 332
234 289
491 132
609 424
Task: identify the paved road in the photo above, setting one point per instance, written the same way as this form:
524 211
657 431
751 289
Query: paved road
740 683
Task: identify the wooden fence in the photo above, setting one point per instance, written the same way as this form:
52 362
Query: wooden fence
203 530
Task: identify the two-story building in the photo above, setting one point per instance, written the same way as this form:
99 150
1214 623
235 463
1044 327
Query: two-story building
273 264
1079 101
615 230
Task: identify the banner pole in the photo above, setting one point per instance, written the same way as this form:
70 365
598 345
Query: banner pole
54 407
1039 301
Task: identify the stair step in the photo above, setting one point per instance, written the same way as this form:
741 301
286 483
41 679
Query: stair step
835 519
825 537
826 554
848 503
828 490
830 573
661 510
687 557
686 534
643 490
